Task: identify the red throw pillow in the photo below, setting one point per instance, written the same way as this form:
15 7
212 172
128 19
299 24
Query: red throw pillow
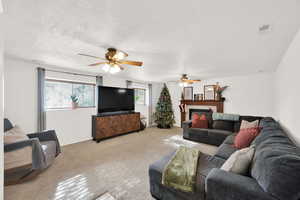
245 136
199 122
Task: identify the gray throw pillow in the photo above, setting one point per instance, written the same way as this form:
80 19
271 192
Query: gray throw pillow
239 162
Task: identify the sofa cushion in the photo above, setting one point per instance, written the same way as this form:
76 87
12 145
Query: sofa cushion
225 151
207 114
246 124
225 116
239 161
217 137
198 134
223 125
237 125
230 139
276 162
199 121
159 191
245 136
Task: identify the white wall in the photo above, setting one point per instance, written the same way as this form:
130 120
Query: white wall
1 108
21 102
246 95
20 97
71 126
287 90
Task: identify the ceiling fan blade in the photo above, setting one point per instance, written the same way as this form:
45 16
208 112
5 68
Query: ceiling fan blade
190 81
126 54
121 67
129 62
99 63
81 54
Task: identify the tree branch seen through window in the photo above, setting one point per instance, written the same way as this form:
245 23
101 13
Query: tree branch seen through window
58 94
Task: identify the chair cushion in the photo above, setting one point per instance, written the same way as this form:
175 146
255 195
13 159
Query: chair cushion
49 148
223 125
7 125
14 135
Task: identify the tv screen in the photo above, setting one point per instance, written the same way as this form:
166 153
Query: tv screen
111 99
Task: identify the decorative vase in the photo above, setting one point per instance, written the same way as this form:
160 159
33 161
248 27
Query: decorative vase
74 105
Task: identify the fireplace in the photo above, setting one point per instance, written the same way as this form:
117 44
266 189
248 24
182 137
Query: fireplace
199 111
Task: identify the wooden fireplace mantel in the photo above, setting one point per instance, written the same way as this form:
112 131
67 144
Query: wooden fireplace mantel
218 104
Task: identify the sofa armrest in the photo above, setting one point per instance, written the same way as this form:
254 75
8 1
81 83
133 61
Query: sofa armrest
186 125
47 136
223 185
38 156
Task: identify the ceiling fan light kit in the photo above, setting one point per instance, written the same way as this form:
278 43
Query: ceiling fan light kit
115 59
185 81
111 68
183 84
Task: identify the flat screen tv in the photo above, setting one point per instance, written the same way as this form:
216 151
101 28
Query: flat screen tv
111 99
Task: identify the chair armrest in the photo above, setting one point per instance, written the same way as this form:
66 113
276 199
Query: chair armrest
19 145
186 125
223 185
49 135
38 156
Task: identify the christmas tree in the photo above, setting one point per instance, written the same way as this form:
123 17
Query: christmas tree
164 115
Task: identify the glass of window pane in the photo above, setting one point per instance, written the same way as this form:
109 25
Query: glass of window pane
57 95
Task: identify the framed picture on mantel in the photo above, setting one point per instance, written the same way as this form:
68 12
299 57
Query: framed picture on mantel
188 93
209 92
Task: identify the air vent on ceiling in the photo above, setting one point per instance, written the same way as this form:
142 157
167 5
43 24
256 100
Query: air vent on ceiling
264 28
1 7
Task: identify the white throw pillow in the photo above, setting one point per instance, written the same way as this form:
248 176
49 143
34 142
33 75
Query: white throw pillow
15 134
239 161
246 124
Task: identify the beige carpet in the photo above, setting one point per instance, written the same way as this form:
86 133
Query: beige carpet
118 165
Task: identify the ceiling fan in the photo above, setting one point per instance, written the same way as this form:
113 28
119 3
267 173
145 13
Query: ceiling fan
185 81
113 60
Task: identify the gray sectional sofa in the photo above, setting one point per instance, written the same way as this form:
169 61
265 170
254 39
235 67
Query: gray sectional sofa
274 173
212 135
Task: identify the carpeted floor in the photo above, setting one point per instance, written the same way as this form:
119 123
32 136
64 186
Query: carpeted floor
118 165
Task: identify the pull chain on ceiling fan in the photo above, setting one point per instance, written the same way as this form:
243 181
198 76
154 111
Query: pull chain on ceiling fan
113 60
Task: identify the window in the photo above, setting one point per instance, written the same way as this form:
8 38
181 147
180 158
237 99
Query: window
58 94
140 96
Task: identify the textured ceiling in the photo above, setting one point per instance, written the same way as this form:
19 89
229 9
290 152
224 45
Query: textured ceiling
204 38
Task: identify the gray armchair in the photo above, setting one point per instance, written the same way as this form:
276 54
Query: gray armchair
25 159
